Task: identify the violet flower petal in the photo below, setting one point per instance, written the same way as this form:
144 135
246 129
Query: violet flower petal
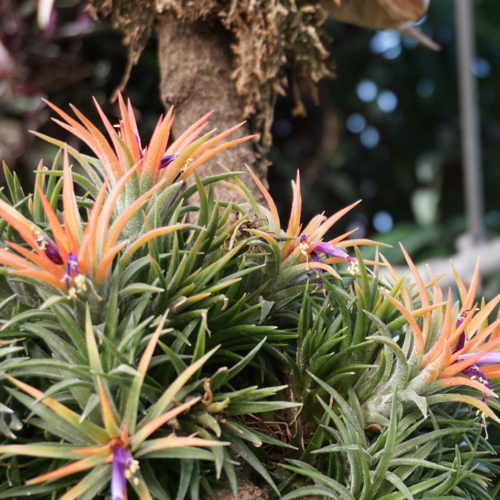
138 141
50 249
317 258
121 459
488 358
167 160
72 270
461 318
474 371
331 250
460 343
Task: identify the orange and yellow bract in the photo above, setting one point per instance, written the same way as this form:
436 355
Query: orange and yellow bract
184 155
80 252
446 348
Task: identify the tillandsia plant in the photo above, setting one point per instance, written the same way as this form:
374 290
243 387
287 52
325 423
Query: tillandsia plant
144 356
159 164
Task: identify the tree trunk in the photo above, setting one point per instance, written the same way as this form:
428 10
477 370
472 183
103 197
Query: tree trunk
195 76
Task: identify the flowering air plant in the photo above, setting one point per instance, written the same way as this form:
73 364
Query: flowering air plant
159 164
446 351
299 249
109 451
77 259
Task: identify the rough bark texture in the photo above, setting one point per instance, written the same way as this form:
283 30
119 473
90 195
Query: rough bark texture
196 64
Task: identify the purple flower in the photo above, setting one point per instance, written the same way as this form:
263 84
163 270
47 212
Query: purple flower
167 160
461 318
476 374
50 249
72 270
488 358
460 343
124 467
473 371
326 248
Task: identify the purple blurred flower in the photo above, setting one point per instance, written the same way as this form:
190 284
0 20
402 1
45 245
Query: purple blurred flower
124 467
326 248
72 270
488 358
461 318
50 249
167 160
138 141
476 374
473 371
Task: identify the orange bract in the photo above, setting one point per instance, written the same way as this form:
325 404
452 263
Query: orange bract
75 254
126 149
463 335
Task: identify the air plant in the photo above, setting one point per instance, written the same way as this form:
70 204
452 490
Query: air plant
78 258
293 253
441 354
109 451
158 163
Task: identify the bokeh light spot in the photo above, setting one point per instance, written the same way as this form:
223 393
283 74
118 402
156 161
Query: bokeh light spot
366 91
481 67
387 101
425 87
385 41
283 127
383 221
369 137
356 123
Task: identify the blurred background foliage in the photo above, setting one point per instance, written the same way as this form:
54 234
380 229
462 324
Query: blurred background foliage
385 130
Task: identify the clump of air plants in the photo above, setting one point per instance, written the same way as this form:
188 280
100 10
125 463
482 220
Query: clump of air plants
142 355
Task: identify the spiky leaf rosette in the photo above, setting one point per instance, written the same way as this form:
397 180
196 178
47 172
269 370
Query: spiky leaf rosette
292 254
448 357
160 164
122 417
408 457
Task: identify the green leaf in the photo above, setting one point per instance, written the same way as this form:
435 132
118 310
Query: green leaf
53 422
346 409
186 453
224 377
37 490
187 467
152 482
310 491
316 476
392 478
139 289
390 442
418 488
244 452
249 407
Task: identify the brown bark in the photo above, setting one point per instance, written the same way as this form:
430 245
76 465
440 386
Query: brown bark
195 76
